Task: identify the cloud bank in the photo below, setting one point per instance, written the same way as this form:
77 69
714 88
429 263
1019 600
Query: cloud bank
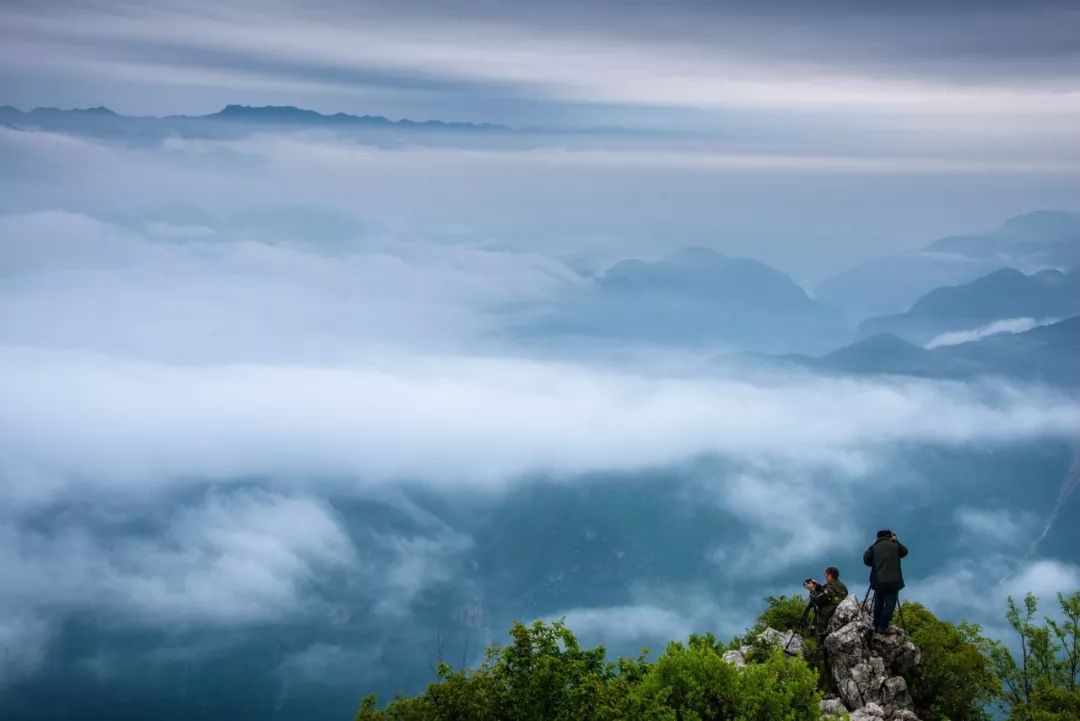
101 421
1009 325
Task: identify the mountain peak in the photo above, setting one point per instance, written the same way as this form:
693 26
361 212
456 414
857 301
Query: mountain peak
293 114
100 110
1044 224
267 111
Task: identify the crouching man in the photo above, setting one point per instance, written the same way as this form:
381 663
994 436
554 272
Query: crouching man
825 598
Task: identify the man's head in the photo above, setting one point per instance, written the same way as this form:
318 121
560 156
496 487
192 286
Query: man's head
832 573
885 533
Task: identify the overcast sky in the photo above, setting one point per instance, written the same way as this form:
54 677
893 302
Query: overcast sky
838 131
233 338
989 64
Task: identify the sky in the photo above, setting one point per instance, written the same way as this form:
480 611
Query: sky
985 65
272 382
970 110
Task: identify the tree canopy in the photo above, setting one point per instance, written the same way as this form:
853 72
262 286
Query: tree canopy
544 674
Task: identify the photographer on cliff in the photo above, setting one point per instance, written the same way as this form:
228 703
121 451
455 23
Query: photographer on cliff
825 598
886 577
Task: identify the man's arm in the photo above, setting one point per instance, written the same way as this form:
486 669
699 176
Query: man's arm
834 594
903 549
868 556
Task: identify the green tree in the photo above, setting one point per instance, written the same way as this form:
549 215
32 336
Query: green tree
693 682
783 613
789 613
1043 684
954 679
544 674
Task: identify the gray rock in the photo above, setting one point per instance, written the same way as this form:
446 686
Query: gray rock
894 693
735 658
789 640
898 651
866 667
869 712
832 707
903 715
845 613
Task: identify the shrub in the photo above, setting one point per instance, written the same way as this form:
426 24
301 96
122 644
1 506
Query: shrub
1044 684
954 679
544 674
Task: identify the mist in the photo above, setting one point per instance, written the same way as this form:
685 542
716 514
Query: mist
297 405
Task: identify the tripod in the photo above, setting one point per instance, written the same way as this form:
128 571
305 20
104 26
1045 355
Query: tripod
801 625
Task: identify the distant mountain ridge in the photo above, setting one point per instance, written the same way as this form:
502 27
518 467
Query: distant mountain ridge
269 114
887 286
1047 354
1001 295
695 297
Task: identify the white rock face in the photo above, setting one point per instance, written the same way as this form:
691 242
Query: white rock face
791 641
866 666
832 707
869 712
735 658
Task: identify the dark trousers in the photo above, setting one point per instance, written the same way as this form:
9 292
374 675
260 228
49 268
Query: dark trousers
884 605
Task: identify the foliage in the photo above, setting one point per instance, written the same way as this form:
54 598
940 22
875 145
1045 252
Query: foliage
782 613
1044 684
954 680
542 674
694 682
545 674
788 613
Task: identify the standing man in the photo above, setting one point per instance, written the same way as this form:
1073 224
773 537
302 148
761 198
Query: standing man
886 577
826 598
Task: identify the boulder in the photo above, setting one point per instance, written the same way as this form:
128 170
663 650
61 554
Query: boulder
866 667
898 652
769 638
869 712
791 641
845 613
894 693
833 707
735 658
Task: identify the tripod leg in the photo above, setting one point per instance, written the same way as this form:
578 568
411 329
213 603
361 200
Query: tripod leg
802 623
900 609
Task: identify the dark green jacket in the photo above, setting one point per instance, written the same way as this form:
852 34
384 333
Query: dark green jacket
832 593
883 558
825 602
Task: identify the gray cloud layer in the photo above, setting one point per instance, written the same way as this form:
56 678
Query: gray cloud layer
139 367
978 60
804 210
206 344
